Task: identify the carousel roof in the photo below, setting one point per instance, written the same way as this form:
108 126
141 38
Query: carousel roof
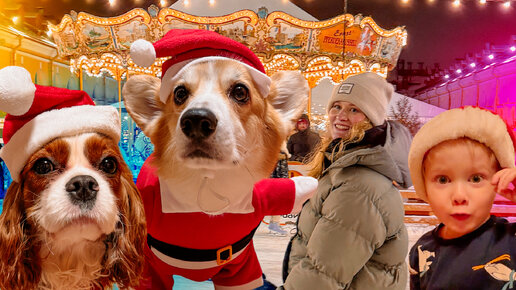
225 7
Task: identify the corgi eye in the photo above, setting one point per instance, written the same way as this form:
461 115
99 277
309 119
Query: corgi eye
180 95
43 166
239 93
108 165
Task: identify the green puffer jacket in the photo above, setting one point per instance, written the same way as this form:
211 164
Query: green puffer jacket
351 233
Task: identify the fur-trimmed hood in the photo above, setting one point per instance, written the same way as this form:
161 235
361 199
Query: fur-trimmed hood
389 159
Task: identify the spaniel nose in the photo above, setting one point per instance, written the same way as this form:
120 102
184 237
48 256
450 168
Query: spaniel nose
82 188
198 123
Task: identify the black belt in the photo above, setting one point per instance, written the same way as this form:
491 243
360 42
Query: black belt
222 255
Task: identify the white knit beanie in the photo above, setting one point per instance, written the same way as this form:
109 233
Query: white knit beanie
472 122
368 91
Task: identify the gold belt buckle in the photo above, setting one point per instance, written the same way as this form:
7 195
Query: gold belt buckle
221 250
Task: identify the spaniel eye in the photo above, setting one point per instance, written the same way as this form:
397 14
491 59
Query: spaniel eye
108 165
43 166
240 93
180 95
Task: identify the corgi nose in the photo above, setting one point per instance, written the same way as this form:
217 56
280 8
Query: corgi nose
198 123
82 188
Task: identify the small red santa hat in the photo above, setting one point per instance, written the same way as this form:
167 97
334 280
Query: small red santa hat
188 46
475 123
38 114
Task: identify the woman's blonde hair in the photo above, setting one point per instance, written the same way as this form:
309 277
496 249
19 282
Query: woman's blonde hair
316 159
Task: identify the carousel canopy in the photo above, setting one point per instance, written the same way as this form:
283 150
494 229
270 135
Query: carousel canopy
334 48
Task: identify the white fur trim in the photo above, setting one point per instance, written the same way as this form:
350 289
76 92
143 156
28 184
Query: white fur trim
143 53
471 122
305 188
262 80
57 123
16 90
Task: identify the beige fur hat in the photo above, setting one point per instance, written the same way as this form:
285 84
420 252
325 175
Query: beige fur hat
368 91
475 123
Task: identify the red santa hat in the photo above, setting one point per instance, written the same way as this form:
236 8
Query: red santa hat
475 123
38 114
188 46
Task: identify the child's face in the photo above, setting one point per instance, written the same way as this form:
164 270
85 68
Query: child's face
457 181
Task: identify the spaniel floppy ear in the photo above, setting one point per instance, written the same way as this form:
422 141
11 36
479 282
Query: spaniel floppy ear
20 266
124 258
141 99
289 96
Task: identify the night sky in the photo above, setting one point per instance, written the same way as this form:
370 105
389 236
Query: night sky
436 31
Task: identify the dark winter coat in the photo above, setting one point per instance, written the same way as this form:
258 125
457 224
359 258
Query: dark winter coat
302 143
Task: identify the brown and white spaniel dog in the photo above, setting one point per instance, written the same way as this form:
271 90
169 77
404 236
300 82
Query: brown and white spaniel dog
74 221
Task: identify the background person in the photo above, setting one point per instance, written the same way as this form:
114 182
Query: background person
304 141
351 233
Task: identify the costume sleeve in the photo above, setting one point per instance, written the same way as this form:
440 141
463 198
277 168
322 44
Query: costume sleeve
274 196
414 268
344 238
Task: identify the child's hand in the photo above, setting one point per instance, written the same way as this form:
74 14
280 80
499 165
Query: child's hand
504 181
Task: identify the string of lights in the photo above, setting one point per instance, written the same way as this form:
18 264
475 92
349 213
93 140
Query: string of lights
459 3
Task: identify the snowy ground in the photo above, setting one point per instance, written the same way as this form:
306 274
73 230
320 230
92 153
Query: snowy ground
271 249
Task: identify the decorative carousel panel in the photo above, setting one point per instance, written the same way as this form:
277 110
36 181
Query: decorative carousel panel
65 37
128 33
96 38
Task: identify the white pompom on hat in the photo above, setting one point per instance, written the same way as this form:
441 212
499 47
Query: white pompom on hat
16 90
142 53
475 123
368 91
37 115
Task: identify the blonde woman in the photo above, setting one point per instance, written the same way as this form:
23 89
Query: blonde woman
351 234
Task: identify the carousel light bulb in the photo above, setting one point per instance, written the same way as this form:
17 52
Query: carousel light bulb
49 33
163 3
482 2
491 56
111 2
446 76
212 2
513 48
405 1
459 71
472 64
507 4
15 19
456 3
187 3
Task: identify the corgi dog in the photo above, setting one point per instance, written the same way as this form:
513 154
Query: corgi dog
217 123
216 128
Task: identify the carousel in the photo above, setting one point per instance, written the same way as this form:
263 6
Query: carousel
331 49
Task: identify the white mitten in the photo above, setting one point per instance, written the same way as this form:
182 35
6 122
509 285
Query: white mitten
305 188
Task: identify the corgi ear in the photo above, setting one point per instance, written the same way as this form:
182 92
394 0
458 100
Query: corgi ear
289 96
141 99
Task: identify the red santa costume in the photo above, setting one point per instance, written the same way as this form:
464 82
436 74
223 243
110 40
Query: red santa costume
191 243
229 259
